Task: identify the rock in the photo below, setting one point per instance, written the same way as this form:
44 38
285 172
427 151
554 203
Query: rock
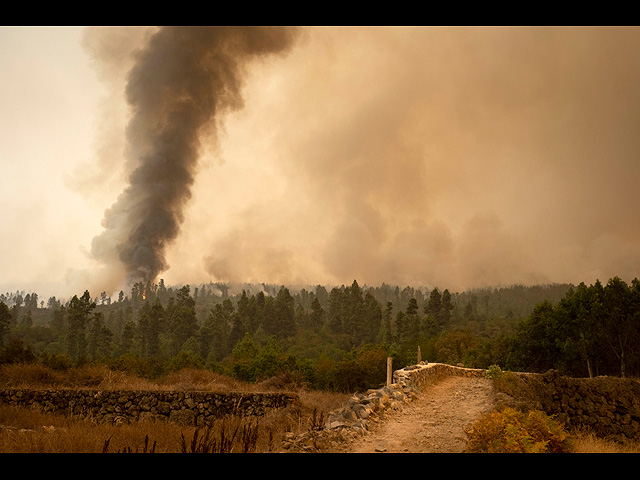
125 407
362 411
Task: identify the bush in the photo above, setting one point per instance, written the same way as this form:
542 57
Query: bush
494 372
185 359
58 362
513 431
16 352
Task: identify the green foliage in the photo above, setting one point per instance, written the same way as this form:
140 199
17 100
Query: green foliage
136 365
242 357
5 321
593 330
182 321
494 372
79 316
252 363
56 362
269 361
16 352
337 339
185 360
513 431
360 369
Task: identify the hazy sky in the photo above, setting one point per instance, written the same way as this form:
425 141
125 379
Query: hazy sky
449 157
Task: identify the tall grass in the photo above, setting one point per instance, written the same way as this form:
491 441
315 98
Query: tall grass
27 431
585 442
36 376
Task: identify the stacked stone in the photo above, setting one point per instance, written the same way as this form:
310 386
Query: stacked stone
352 420
193 408
608 406
356 417
407 385
362 406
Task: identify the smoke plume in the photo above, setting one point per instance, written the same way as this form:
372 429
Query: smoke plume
181 86
454 157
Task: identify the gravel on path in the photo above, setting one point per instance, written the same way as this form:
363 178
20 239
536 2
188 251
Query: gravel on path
435 422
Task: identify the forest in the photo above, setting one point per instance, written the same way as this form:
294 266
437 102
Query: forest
333 338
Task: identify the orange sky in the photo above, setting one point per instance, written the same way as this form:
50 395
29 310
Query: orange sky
450 157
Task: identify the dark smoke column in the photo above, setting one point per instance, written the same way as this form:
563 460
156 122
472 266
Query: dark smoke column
183 82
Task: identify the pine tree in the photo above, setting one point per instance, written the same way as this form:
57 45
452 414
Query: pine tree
5 321
316 318
99 344
182 319
78 315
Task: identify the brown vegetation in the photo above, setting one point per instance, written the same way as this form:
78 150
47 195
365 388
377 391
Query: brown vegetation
589 443
25 431
525 392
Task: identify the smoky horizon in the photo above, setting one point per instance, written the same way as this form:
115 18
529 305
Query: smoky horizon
448 157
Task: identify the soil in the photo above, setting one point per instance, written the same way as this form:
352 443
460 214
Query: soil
435 422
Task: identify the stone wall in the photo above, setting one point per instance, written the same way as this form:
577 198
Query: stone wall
363 409
608 406
407 384
418 376
192 408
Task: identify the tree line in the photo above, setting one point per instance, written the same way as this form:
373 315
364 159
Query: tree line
593 330
332 338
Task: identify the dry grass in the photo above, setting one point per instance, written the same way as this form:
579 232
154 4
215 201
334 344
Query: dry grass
589 443
34 376
26 431
31 432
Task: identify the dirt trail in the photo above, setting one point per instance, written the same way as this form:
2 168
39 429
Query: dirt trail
433 423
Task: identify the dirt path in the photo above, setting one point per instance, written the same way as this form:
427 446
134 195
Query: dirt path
435 422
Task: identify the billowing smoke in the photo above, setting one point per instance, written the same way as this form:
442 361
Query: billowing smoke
182 84
454 157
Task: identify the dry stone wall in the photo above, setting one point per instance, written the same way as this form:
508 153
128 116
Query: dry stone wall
192 408
608 406
419 376
407 384
364 408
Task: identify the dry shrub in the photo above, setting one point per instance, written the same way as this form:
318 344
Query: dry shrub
286 381
99 377
323 401
30 375
36 376
191 379
515 431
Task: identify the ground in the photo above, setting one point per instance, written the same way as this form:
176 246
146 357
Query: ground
433 423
